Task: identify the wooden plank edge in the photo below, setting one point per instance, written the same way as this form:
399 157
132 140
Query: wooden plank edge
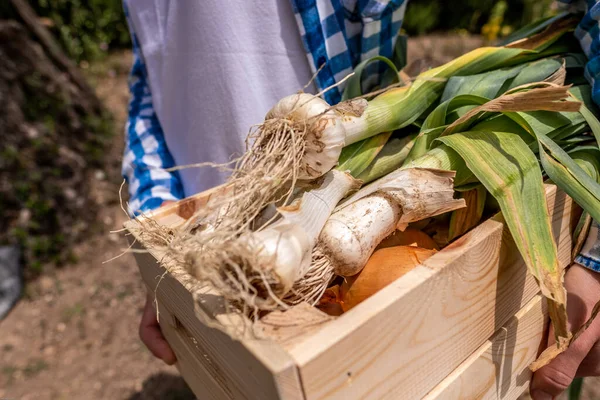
200 377
345 340
270 354
348 323
267 353
426 273
321 340
499 369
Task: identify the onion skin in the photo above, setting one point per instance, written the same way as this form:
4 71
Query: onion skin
384 267
410 237
330 302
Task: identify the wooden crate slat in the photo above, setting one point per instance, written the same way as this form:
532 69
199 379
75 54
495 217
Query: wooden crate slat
407 338
499 370
200 377
242 370
400 343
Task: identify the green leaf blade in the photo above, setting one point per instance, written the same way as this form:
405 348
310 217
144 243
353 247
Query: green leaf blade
510 172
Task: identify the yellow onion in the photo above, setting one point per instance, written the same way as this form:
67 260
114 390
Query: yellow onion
384 267
410 237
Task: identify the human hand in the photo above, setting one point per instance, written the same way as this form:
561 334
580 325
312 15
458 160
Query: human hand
150 332
152 336
582 358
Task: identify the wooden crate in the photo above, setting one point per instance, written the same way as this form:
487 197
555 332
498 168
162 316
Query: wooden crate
463 325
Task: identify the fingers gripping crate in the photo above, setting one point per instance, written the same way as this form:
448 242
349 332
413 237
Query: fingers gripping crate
465 324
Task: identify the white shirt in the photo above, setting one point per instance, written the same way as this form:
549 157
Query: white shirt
209 88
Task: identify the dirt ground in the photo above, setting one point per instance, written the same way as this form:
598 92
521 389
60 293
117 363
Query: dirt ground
74 334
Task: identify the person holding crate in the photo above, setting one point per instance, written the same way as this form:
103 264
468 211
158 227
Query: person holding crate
204 72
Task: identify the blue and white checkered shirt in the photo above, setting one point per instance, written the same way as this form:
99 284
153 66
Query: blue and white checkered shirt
588 33
337 35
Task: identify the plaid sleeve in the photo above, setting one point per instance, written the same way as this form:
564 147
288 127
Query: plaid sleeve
590 254
588 34
338 34
146 155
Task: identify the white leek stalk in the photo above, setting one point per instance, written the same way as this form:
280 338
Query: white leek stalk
327 129
285 247
353 231
324 134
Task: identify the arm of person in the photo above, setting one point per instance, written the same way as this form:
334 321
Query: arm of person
145 163
582 279
146 158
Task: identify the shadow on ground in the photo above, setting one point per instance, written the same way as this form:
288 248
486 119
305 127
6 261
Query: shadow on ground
164 386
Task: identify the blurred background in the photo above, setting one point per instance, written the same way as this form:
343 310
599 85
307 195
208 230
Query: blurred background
63 86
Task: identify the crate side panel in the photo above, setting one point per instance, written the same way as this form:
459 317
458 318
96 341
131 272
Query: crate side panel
203 378
407 338
499 370
257 369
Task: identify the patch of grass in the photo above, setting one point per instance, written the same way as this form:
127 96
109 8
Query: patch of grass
71 257
58 286
36 266
125 292
30 292
9 372
74 311
34 367
81 330
9 155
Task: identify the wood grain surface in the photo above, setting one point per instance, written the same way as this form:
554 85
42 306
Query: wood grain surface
399 344
407 338
499 370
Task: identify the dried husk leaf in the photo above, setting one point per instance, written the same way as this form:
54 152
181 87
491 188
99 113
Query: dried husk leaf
464 219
